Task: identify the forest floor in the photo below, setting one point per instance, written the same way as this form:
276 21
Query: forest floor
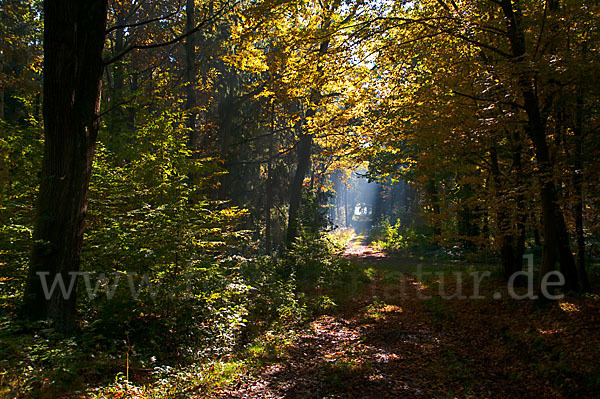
391 341
391 332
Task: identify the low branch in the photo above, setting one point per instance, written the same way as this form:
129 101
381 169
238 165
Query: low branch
115 107
491 100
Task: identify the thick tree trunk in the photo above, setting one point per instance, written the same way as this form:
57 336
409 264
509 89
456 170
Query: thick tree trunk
73 43
556 238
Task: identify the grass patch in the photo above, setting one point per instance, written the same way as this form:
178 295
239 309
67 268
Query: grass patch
268 347
199 379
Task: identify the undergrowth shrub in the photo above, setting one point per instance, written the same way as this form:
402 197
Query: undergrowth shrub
315 261
399 238
169 280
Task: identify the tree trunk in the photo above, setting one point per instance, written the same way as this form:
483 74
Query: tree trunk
226 125
2 94
537 240
351 206
431 191
73 43
190 75
346 218
507 252
269 202
578 191
303 151
519 249
556 238
118 121
378 207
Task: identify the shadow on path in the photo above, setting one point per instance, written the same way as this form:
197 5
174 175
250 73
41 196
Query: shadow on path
377 351
390 342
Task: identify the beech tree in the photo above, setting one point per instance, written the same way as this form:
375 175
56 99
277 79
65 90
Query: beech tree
73 42
496 64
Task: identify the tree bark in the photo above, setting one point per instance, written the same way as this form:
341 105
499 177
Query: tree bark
119 121
346 218
190 75
519 249
269 202
578 190
432 193
73 42
507 251
2 93
378 207
556 238
304 151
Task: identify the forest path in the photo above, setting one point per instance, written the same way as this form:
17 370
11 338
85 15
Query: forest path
361 251
369 349
387 341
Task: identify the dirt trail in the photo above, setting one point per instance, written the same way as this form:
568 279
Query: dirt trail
358 249
378 350
388 342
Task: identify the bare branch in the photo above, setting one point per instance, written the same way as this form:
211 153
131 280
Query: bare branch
177 39
146 22
491 100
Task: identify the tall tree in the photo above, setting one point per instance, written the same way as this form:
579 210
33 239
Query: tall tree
556 236
73 43
306 137
190 74
74 38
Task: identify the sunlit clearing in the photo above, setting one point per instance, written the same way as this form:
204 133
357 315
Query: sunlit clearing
355 203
